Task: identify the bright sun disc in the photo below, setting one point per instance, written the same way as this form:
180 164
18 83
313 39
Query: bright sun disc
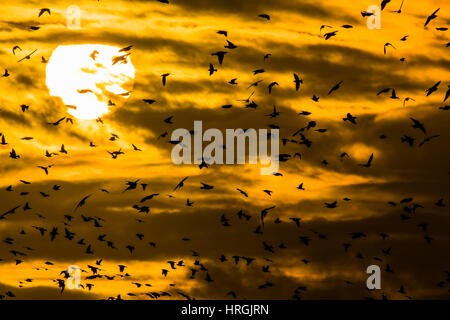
89 87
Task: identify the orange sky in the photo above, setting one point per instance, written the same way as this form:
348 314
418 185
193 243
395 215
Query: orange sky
179 39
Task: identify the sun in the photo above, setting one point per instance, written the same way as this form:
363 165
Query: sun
90 79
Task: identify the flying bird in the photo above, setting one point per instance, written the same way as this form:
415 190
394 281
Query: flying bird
270 86
323 27
336 87
428 139
223 32
400 9
384 3
386 45
45 168
418 125
407 99
168 120
211 69
264 213
94 54
264 16
44 10
220 55
82 202
350 118
15 48
164 77
331 205
369 162
384 91
181 183
28 56
57 122
330 34
447 94
394 95
365 14
433 88
242 192
230 45
297 81
274 113
122 59
126 49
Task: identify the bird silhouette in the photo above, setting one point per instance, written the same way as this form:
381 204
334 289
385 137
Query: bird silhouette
211 69
297 81
400 9
386 45
28 56
328 35
431 17
350 118
180 184
264 16
335 87
82 202
433 88
384 3
418 125
220 55
369 162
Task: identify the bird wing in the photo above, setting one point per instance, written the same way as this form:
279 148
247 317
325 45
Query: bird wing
370 159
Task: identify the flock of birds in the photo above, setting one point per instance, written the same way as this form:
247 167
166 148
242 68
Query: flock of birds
66 231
